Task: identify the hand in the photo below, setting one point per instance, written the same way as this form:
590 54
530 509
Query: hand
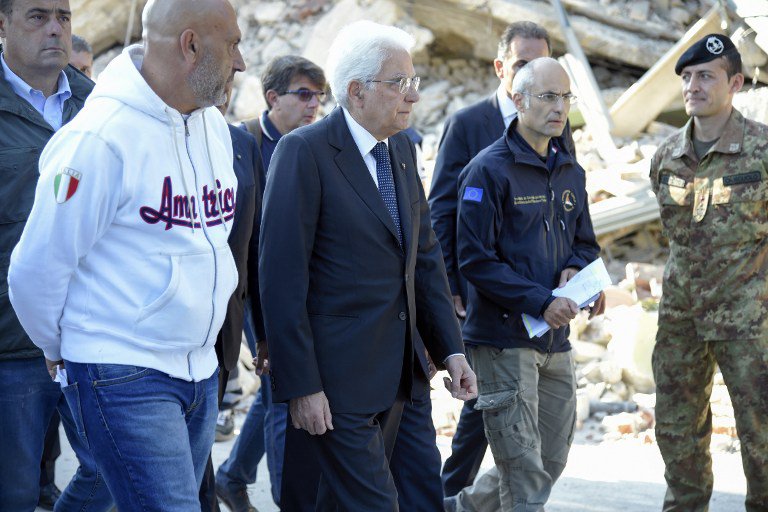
458 307
566 276
431 365
261 361
560 311
51 365
463 382
312 413
598 308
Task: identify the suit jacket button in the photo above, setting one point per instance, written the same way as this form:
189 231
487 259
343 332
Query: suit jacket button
402 315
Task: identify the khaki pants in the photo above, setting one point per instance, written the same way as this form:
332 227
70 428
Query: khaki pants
528 400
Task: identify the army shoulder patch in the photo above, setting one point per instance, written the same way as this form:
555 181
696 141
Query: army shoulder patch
65 184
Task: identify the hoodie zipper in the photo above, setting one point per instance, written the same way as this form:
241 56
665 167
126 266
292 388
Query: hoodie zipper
205 232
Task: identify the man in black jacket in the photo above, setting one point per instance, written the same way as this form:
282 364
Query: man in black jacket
38 94
465 134
524 229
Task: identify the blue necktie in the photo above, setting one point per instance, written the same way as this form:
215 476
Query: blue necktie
387 185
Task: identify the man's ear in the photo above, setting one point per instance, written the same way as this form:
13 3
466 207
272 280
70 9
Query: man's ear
355 92
272 96
190 45
519 101
737 82
498 67
4 21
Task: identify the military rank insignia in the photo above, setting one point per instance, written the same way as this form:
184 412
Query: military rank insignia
65 184
701 201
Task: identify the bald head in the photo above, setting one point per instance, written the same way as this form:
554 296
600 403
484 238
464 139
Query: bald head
542 95
191 50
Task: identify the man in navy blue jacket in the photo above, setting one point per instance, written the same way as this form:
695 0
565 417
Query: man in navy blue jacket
466 133
524 229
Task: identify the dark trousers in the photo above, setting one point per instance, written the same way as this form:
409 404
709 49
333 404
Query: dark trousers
51 451
414 464
467 450
354 460
208 500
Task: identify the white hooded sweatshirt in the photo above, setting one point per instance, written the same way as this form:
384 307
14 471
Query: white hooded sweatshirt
124 258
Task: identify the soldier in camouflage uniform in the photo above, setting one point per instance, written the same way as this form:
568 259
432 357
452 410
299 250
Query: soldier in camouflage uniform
711 181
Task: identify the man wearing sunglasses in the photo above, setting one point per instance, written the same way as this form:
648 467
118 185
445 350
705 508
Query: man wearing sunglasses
523 229
294 88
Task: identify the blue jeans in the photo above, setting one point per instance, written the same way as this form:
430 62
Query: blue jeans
150 433
28 398
263 432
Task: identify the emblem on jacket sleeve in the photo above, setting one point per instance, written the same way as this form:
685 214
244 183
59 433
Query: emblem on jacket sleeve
569 201
473 194
65 184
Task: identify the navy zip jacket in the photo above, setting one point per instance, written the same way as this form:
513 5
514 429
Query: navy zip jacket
519 225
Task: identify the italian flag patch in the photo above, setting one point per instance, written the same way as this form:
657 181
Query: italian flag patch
65 184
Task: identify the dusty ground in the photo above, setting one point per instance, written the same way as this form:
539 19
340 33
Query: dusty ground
601 476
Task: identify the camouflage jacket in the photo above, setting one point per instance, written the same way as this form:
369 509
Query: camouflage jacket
715 214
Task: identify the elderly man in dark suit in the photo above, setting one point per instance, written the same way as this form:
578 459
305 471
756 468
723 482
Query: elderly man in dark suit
353 284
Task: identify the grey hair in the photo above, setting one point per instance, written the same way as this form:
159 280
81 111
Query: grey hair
524 78
358 52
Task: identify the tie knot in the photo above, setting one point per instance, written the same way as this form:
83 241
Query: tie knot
380 152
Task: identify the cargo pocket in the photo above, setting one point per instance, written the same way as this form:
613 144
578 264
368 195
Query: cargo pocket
508 423
72 396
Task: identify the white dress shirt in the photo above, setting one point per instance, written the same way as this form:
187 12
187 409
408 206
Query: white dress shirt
506 105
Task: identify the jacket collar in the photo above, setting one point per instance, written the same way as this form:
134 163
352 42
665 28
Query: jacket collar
730 142
350 163
80 85
525 154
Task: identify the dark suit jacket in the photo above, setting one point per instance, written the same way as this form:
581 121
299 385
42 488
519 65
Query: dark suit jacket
342 301
466 133
250 176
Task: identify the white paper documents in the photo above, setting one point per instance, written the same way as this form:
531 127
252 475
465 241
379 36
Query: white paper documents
583 289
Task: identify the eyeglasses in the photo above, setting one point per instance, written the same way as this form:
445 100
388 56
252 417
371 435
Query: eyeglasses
306 95
550 97
404 84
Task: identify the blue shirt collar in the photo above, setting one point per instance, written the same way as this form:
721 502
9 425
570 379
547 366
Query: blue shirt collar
269 129
26 91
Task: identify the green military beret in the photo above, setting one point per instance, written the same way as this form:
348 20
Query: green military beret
707 48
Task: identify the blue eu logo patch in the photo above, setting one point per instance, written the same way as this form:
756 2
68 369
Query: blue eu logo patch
473 194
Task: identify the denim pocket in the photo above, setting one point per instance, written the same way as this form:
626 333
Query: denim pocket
72 396
111 374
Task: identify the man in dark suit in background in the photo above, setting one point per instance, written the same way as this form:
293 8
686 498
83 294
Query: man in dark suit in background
245 227
466 133
350 268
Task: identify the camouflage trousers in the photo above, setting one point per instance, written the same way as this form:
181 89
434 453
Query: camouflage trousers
683 368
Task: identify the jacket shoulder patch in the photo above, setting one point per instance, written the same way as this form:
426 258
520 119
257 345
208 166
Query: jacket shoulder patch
473 194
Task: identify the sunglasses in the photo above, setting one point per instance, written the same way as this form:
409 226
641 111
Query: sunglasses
306 95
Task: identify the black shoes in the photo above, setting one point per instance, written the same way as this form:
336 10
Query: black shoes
236 501
48 496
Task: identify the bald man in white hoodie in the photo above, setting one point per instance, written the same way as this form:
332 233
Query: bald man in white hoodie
123 272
